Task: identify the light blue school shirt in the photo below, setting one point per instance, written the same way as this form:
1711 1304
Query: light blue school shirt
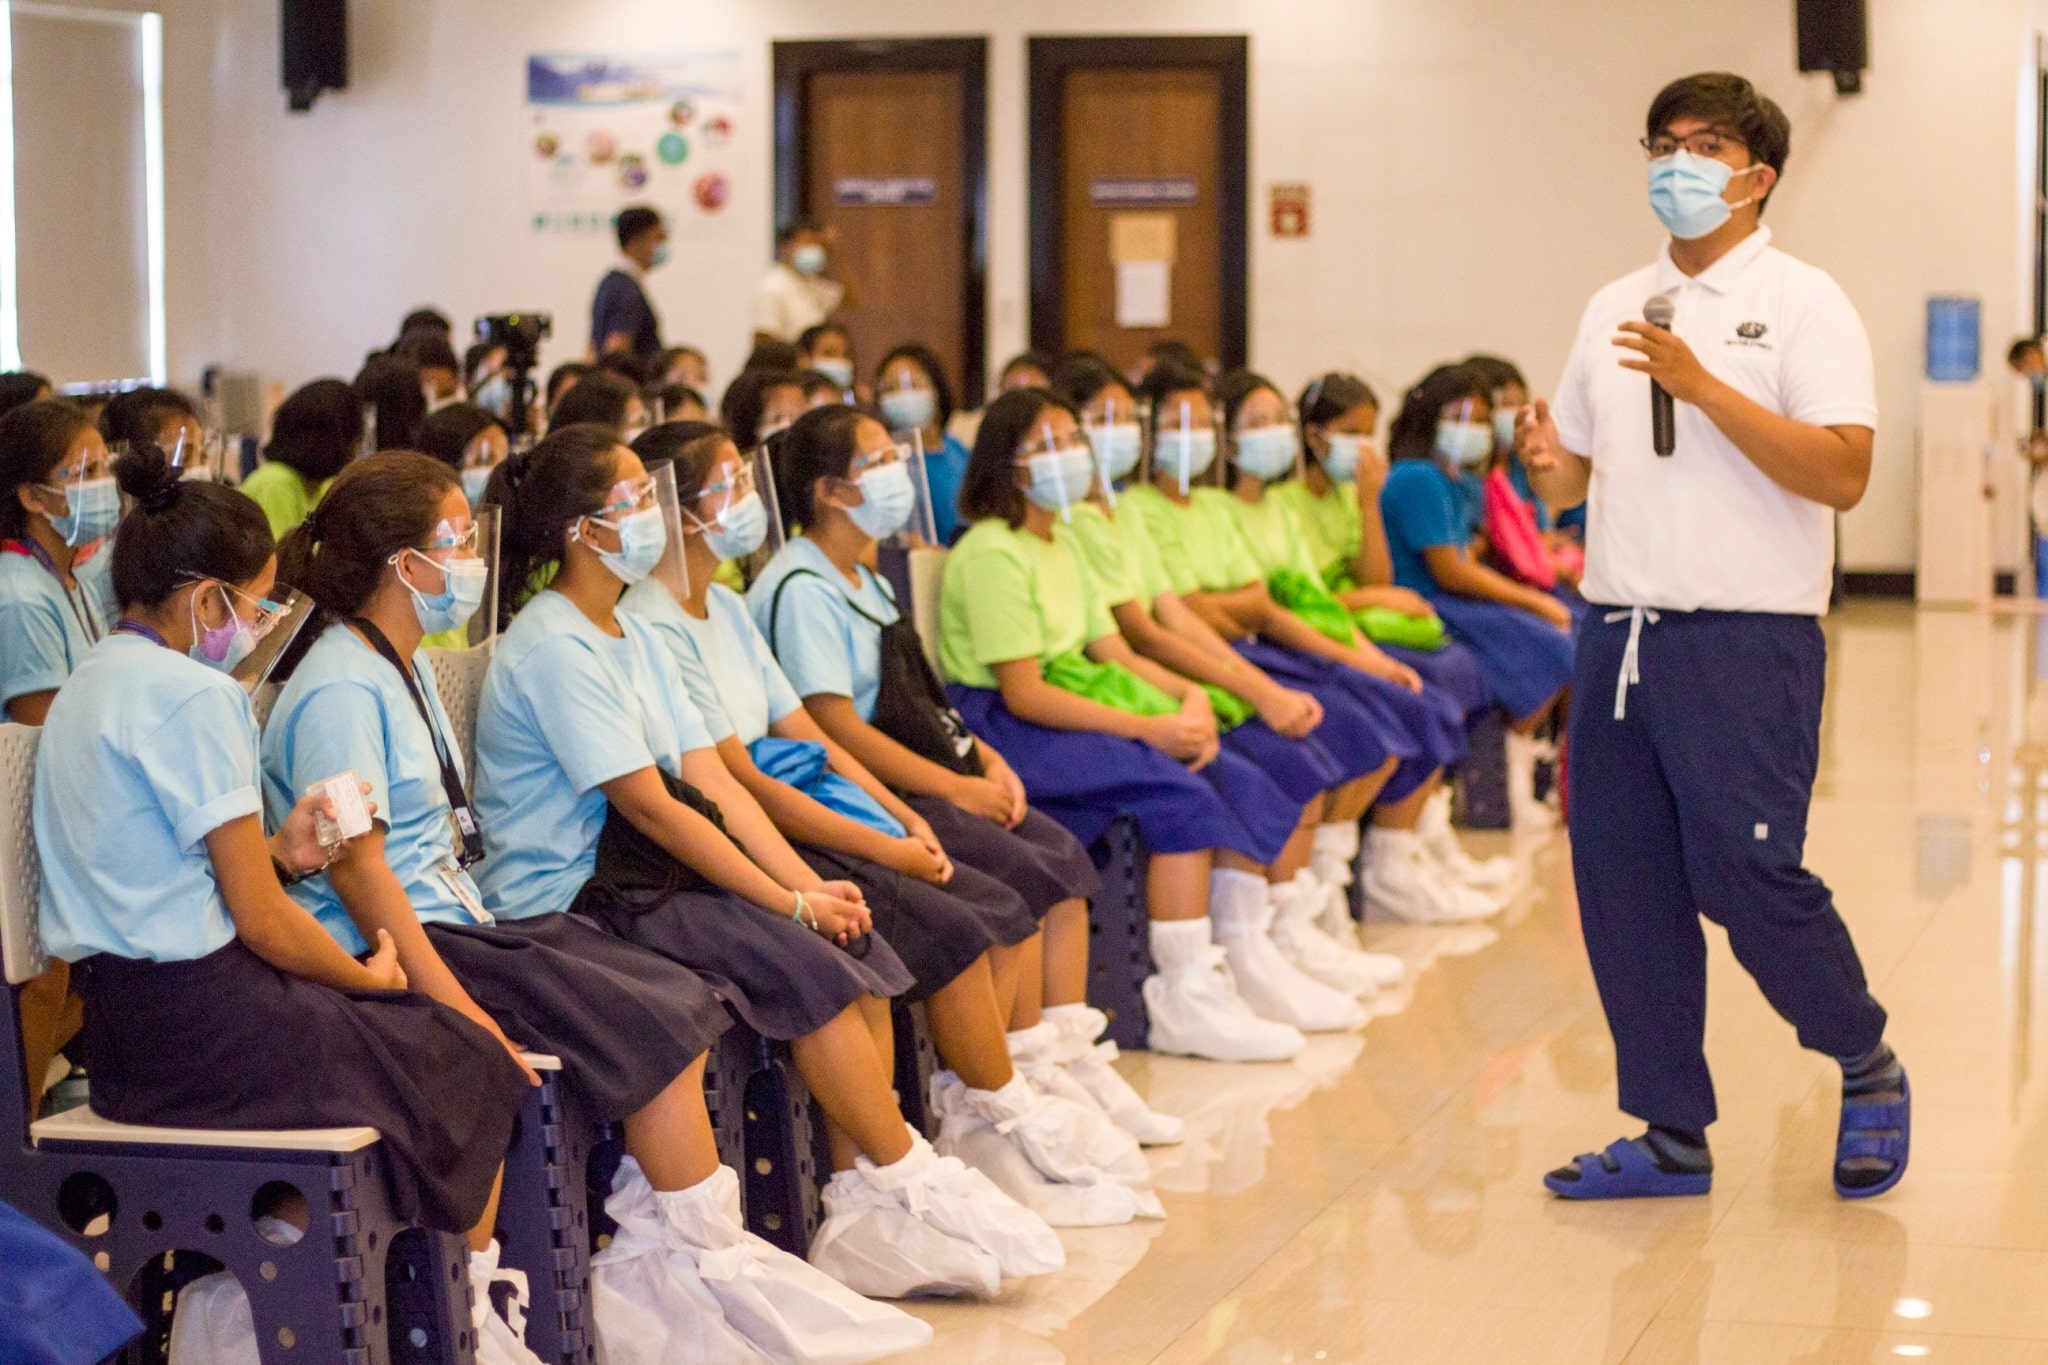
565 709
344 708
822 643
730 671
45 628
1420 508
144 754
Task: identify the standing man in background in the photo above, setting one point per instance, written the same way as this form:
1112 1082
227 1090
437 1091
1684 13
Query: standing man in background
1709 558
621 318
2027 361
796 295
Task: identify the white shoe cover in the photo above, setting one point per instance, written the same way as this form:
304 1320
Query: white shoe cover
928 1224
1332 856
1090 1063
213 1325
1068 1143
498 1341
1297 905
683 1282
1193 1007
1402 883
1525 812
1241 911
1494 877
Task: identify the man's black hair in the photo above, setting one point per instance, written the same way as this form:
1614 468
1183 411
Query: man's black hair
634 222
1730 104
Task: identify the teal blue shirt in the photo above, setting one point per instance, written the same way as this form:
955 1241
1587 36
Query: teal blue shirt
345 707
46 628
145 753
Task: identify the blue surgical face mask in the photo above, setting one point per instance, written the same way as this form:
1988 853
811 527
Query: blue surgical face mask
887 496
643 536
1185 455
808 259
1685 193
1266 452
462 592
475 480
661 254
1340 461
95 509
836 368
1060 479
1117 448
908 409
495 395
1504 427
1464 444
740 528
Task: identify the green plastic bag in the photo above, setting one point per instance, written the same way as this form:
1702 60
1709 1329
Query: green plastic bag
1385 626
1117 687
1307 598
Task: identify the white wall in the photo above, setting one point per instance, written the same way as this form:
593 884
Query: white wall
1472 162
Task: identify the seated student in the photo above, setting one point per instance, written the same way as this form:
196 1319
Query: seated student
212 999
440 371
563 378
861 672
1566 559
828 349
916 403
674 403
972 943
606 398
1025 370
22 386
1335 773
769 354
599 791
685 365
58 505
1263 453
389 555
1038 670
391 388
161 417
470 440
1198 533
625 365
1521 636
759 403
821 391
1336 507
313 434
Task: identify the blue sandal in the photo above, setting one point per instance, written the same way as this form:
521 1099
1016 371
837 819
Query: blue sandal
1883 1131
1625 1171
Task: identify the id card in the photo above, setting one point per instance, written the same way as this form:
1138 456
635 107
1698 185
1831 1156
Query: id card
464 892
351 814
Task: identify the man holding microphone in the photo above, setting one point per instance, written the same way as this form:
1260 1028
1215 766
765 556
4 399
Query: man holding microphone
1695 729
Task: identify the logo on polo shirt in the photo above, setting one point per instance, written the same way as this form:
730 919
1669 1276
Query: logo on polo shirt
1750 334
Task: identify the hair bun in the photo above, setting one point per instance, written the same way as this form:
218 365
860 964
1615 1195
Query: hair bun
145 475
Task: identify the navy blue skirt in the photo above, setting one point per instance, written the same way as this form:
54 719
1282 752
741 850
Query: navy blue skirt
1359 738
1303 768
1524 660
1085 779
1452 670
1039 859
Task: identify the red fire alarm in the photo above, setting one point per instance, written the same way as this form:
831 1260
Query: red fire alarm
1289 210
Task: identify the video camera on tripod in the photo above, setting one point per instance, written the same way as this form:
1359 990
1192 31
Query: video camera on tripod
521 335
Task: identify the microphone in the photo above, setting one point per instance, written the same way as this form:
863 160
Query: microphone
1658 310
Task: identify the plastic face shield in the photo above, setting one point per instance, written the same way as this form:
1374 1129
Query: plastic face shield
923 526
764 482
483 537
1046 452
283 628
672 571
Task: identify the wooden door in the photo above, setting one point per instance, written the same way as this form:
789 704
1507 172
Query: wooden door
882 143
1138 167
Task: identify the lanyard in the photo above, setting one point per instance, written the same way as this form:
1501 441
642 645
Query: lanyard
128 626
469 839
81 606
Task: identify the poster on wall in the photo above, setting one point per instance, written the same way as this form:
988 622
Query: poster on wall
603 132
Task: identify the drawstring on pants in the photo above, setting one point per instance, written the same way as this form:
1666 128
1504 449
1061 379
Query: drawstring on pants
1631 662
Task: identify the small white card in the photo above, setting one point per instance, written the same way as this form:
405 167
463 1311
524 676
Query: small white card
351 814
460 887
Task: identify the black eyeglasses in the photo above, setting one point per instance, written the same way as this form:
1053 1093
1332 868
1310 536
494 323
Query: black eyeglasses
1707 142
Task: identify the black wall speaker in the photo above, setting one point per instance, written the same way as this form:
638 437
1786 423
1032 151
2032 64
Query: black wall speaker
315 50
1834 36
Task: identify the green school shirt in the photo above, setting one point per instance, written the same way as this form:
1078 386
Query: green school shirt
1098 547
1330 524
1161 522
1274 535
1210 534
1009 595
281 493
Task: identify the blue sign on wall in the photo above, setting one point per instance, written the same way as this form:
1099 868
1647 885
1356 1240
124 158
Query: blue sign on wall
884 191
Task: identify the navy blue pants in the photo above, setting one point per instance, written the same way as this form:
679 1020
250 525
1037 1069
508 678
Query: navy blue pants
1695 804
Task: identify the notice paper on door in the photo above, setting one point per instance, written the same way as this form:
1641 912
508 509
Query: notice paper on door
1144 292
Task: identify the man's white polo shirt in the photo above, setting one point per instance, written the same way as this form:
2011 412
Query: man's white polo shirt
1705 528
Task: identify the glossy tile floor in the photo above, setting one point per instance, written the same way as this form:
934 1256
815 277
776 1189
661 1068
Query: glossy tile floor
1378 1199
